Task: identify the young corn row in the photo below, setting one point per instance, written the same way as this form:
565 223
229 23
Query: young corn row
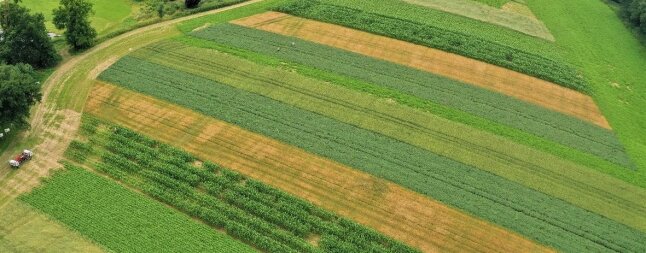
249 210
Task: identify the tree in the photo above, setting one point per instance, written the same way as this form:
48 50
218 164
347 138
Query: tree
19 90
636 14
73 16
190 4
24 38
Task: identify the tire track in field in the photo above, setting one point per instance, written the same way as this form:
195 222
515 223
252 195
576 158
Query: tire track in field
337 188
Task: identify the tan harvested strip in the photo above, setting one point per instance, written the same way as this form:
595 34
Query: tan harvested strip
386 207
511 83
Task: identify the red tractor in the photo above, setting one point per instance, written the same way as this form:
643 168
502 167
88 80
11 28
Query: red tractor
20 159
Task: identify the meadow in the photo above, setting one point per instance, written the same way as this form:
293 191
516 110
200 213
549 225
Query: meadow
407 165
108 16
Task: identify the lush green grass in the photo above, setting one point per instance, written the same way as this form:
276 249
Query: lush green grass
535 215
253 212
527 61
108 14
537 170
592 36
421 87
122 220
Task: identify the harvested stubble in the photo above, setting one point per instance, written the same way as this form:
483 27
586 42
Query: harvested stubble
482 194
389 208
485 75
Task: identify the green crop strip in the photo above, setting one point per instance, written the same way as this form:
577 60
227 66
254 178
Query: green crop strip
438 37
538 216
122 220
546 173
492 106
257 214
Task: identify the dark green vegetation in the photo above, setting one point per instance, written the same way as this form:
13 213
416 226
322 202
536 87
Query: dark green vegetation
122 220
535 215
634 11
255 213
430 92
73 16
23 38
437 37
19 90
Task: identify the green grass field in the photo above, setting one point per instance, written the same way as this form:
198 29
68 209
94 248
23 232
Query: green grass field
108 15
611 58
122 220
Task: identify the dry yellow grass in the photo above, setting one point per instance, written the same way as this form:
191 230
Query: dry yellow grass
384 206
513 15
488 76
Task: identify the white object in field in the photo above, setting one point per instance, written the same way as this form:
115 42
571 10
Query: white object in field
28 153
1 135
14 163
6 130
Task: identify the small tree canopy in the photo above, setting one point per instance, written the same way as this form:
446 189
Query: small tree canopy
19 90
73 16
191 3
24 38
636 14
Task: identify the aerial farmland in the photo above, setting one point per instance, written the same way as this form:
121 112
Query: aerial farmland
323 126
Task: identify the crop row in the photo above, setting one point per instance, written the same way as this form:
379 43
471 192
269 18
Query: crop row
538 216
122 220
492 106
461 143
246 209
438 37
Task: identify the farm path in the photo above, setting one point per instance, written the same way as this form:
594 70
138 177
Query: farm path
54 121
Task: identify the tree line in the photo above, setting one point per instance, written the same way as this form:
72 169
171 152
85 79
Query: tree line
26 47
634 13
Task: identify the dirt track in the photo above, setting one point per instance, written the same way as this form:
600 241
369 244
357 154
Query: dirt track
488 76
54 122
384 206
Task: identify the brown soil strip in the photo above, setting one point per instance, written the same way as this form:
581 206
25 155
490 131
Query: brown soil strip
488 76
386 207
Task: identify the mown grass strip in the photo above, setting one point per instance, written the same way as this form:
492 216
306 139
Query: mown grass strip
249 210
538 216
424 86
576 184
438 37
122 220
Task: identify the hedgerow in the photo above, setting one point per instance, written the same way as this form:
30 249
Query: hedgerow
538 216
438 37
424 86
269 220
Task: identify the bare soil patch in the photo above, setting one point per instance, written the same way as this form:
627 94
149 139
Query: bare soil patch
384 206
488 76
